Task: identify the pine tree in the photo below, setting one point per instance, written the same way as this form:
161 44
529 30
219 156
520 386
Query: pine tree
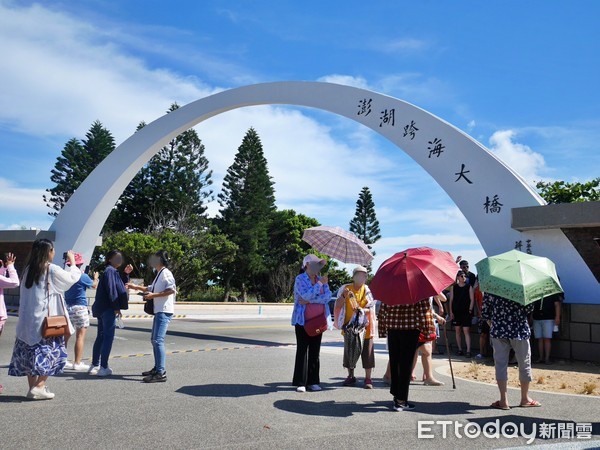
365 224
247 204
75 163
172 187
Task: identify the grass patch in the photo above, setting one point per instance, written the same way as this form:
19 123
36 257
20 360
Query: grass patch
589 388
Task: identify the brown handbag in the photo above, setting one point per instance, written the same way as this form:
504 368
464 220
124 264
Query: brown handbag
54 326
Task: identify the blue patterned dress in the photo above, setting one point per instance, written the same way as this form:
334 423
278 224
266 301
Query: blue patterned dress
46 358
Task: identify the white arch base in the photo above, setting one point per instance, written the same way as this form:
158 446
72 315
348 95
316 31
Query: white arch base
485 197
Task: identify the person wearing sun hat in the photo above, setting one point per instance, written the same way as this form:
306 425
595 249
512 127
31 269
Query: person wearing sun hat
311 291
355 302
77 306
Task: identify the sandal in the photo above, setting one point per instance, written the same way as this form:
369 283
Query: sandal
497 405
531 404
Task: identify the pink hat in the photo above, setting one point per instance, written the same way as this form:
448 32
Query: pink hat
78 260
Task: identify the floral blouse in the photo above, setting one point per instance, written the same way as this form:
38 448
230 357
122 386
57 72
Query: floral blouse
509 319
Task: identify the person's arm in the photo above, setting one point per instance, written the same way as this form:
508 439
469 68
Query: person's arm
557 312
381 324
10 279
138 287
307 291
96 280
451 303
370 300
169 287
62 279
472 300
341 296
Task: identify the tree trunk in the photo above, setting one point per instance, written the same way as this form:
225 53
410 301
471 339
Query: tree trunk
227 292
244 293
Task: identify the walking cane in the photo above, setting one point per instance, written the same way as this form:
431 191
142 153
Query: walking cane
449 358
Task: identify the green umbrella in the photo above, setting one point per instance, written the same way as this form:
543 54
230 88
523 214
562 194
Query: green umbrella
518 276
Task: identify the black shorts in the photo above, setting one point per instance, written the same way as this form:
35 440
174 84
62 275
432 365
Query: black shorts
483 327
462 319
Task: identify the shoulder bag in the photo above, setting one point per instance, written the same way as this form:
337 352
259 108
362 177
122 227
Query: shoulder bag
315 322
54 326
149 305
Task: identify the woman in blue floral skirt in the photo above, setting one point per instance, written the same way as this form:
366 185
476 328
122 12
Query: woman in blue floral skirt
43 283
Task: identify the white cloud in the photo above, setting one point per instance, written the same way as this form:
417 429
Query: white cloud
520 157
348 80
62 73
403 45
15 198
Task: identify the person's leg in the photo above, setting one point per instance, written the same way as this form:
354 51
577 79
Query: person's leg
109 322
314 350
347 363
32 380
457 331
97 349
158 340
414 364
467 331
501 349
301 365
394 346
79 341
547 349
409 340
40 381
523 354
368 357
426 361
387 375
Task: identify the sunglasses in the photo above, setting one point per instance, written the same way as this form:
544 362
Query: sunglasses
462 276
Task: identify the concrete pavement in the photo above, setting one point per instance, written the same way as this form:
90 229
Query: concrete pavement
229 387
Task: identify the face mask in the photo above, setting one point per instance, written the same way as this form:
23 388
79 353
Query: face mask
313 268
360 278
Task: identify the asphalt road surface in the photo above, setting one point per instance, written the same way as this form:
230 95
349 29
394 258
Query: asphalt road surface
229 387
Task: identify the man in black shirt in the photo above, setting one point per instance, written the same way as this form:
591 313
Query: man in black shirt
471 277
546 317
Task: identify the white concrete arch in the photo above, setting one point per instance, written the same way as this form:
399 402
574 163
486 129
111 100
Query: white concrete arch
485 194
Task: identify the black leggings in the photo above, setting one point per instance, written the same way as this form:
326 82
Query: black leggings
306 370
402 345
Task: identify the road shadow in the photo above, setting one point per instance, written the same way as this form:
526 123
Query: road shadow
226 390
446 408
528 424
14 399
77 376
215 337
330 408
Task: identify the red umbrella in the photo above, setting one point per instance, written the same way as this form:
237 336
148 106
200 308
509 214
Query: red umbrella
412 275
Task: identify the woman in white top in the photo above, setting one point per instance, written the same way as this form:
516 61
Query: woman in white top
41 295
162 293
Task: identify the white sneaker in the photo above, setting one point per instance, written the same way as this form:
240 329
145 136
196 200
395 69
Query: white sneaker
40 393
104 372
93 370
81 367
69 365
315 388
301 389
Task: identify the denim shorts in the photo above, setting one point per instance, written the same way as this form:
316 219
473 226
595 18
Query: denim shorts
543 328
80 316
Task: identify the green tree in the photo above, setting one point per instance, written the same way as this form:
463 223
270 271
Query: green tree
564 192
173 187
286 250
193 258
75 163
247 204
365 224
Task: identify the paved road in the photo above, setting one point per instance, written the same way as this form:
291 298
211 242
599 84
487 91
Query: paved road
229 387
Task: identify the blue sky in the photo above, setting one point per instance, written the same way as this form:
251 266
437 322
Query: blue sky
521 77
